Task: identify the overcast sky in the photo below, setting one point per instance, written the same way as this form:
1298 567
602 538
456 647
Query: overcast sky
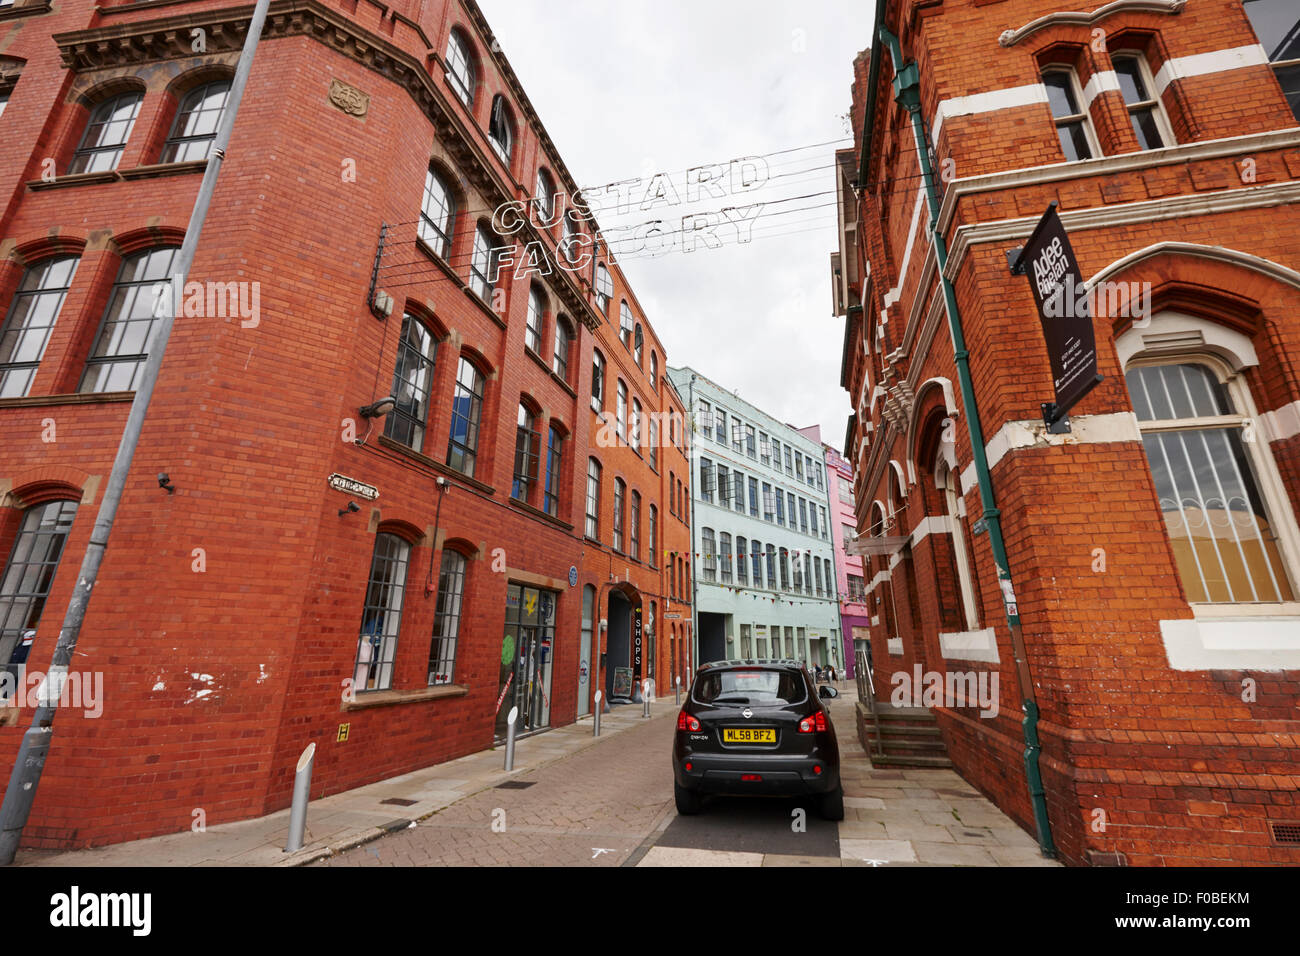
634 88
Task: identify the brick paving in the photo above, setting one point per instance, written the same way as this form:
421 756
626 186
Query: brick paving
606 802
593 808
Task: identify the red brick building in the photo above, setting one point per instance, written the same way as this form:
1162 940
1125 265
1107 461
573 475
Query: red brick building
1153 551
246 610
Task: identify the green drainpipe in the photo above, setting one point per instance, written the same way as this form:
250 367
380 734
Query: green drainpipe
907 93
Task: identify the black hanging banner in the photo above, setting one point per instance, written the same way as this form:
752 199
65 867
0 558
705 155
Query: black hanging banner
1064 309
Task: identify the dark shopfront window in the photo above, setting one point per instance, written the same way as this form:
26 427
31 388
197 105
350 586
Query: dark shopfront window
527 653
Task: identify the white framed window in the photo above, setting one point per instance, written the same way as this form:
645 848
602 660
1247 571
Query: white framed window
544 195
106 134
1229 542
621 423
533 332
625 325
446 619
604 289
1277 25
460 67
501 129
1073 125
1145 111
27 329
437 213
948 482
597 382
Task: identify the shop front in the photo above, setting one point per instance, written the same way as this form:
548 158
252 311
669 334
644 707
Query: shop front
527 655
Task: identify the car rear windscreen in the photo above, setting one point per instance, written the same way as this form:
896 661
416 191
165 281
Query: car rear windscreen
750 687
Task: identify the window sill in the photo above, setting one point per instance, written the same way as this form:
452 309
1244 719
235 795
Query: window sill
26 10
386 442
478 301
970 646
74 398
368 699
1245 642
152 171
164 169
563 384
528 509
528 350
438 261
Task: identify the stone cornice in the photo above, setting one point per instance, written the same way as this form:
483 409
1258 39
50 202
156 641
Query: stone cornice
166 38
1148 210
1235 146
1079 18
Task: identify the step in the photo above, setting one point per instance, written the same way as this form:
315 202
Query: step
909 730
909 761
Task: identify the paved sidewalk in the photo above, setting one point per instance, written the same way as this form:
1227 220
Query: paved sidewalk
354 817
921 817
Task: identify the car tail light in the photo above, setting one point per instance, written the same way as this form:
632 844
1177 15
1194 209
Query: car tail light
686 722
751 778
813 723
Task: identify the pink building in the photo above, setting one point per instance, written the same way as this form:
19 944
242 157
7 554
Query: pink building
854 617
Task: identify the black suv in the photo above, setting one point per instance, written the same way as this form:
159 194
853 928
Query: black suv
756 727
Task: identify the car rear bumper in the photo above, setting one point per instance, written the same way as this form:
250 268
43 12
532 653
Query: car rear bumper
778 775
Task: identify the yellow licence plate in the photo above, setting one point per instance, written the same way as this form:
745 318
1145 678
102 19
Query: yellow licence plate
749 736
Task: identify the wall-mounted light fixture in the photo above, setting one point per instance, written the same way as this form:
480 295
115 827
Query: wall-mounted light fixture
165 482
352 508
379 407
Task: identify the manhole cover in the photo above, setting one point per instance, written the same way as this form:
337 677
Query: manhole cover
399 802
515 785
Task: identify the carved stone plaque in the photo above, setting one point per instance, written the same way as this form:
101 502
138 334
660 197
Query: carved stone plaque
348 98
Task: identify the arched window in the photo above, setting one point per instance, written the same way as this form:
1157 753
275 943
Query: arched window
1223 532
560 360
604 289
620 497
106 134
621 422
785 570
446 619
484 264
756 562
29 572
1145 110
625 324
742 561
195 128
638 344
652 537
501 129
544 196
654 370
466 412
381 617
437 214
554 457
528 443
634 431
460 67
26 330
597 382
119 351
634 528
1073 125
412 383
724 551
536 309
592 528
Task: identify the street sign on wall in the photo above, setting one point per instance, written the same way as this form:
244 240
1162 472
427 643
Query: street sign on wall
1064 309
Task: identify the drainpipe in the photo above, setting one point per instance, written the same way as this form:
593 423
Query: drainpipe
695 585
907 93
